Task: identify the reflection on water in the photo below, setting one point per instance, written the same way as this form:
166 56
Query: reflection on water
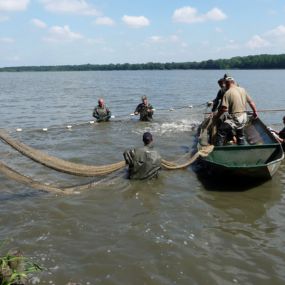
222 183
179 229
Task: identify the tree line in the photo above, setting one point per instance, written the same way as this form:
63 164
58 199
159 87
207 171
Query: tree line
264 61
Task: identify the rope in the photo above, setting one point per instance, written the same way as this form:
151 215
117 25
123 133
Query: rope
203 151
118 118
13 174
60 164
79 169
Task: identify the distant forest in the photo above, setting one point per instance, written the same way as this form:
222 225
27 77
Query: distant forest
264 61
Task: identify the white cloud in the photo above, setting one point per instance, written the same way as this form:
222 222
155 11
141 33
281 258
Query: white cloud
136 21
14 58
186 15
38 23
172 39
108 50
62 34
229 46
13 5
277 32
270 41
7 40
105 21
190 15
95 41
156 39
3 18
272 12
215 15
274 38
218 30
80 7
257 42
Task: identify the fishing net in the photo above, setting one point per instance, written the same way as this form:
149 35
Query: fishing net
60 164
74 189
79 169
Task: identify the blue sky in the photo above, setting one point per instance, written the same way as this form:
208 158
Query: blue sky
55 32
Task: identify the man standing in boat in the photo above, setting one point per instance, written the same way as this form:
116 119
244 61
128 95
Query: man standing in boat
234 103
143 162
145 110
217 102
101 113
216 106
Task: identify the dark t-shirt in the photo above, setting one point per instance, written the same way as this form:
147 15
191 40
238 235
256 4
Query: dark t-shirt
282 134
218 100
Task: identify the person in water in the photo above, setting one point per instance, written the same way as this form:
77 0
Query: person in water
101 113
145 110
143 162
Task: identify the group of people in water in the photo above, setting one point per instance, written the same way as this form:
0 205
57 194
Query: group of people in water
229 117
103 114
143 162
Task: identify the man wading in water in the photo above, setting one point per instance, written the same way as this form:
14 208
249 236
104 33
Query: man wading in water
145 110
101 113
143 162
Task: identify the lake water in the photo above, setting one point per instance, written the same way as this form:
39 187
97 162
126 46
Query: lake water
177 229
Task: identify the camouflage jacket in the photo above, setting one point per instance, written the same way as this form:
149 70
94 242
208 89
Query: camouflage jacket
102 114
144 162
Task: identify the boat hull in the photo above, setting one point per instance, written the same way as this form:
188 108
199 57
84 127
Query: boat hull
263 172
259 159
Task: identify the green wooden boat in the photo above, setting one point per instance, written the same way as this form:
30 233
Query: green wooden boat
259 158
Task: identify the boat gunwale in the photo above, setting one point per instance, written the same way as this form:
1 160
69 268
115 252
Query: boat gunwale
243 166
240 147
248 146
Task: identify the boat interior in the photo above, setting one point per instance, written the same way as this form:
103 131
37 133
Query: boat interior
261 148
